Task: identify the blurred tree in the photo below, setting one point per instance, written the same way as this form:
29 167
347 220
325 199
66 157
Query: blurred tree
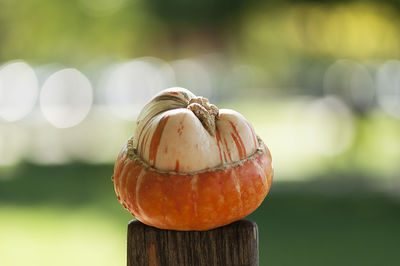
199 26
288 43
197 13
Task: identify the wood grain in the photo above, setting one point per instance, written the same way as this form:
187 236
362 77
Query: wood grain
234 244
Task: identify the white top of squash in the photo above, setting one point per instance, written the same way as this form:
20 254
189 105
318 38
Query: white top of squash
179 132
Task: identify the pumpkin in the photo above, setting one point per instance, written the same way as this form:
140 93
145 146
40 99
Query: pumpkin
190 166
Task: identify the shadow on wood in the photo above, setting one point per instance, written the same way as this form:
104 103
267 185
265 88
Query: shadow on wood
233 244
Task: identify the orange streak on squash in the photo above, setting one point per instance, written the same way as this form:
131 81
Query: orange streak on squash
144 141
176 166
218 137
225 157
252 134
227 150
144 128
238 146
156 138
238 141
194 181
181 127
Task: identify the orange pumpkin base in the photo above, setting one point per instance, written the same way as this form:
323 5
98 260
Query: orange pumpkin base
192 201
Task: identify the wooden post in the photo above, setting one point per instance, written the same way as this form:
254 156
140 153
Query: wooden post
234 244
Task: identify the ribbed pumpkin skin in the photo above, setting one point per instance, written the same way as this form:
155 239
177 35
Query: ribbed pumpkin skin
192 201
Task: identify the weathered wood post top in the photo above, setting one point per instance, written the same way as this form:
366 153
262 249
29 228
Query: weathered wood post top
233 244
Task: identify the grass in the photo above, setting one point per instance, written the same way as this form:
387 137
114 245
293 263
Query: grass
68 215
306 229
57 236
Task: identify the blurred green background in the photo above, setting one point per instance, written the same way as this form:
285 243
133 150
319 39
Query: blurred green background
319 80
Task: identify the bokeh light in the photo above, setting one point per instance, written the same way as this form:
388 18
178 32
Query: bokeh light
328 126
193 75
101 129
126 87
351 81
18 90
66 98
388 84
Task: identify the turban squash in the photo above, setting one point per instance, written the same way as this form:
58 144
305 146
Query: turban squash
190 166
